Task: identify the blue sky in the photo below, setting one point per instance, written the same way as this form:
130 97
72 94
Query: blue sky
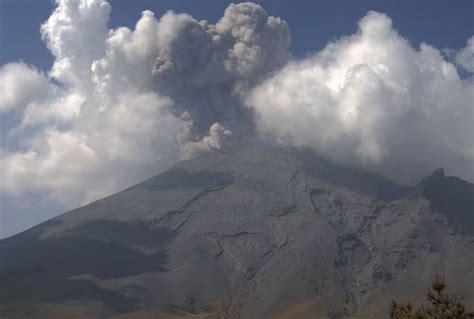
116 106
444 24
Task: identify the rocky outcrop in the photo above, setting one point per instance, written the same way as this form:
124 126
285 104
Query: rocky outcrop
256 233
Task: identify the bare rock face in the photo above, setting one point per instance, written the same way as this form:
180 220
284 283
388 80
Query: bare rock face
255 233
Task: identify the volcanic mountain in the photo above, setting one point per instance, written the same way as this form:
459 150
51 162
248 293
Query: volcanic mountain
258 232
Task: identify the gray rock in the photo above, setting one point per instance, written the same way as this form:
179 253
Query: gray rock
254 233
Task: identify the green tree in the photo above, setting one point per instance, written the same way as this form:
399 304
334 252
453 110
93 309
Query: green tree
441 305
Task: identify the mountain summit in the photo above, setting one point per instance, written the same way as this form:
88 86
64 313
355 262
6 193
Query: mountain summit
255 233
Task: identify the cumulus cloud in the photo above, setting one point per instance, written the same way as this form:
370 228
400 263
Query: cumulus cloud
21 85
372 100
465 57
75 34
121 105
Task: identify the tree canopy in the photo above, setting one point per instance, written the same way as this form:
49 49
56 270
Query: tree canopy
441 305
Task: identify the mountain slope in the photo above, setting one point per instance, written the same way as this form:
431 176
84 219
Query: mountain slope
256 233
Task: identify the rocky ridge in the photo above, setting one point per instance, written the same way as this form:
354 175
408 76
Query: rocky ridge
255 233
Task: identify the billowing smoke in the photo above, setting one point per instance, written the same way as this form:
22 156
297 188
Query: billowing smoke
372 100
121 105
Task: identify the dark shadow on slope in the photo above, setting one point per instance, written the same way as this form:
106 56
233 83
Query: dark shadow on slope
33 269
179 178
131 235
450 196
361 181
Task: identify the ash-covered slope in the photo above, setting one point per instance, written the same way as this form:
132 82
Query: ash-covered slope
256 233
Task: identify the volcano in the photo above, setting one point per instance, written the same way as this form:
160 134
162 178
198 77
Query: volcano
259 232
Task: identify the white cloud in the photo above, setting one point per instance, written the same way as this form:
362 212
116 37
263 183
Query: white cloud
372 100
121 105
21 85
75 34
100 154
465 57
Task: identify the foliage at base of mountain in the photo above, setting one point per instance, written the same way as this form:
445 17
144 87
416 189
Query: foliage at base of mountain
441 305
